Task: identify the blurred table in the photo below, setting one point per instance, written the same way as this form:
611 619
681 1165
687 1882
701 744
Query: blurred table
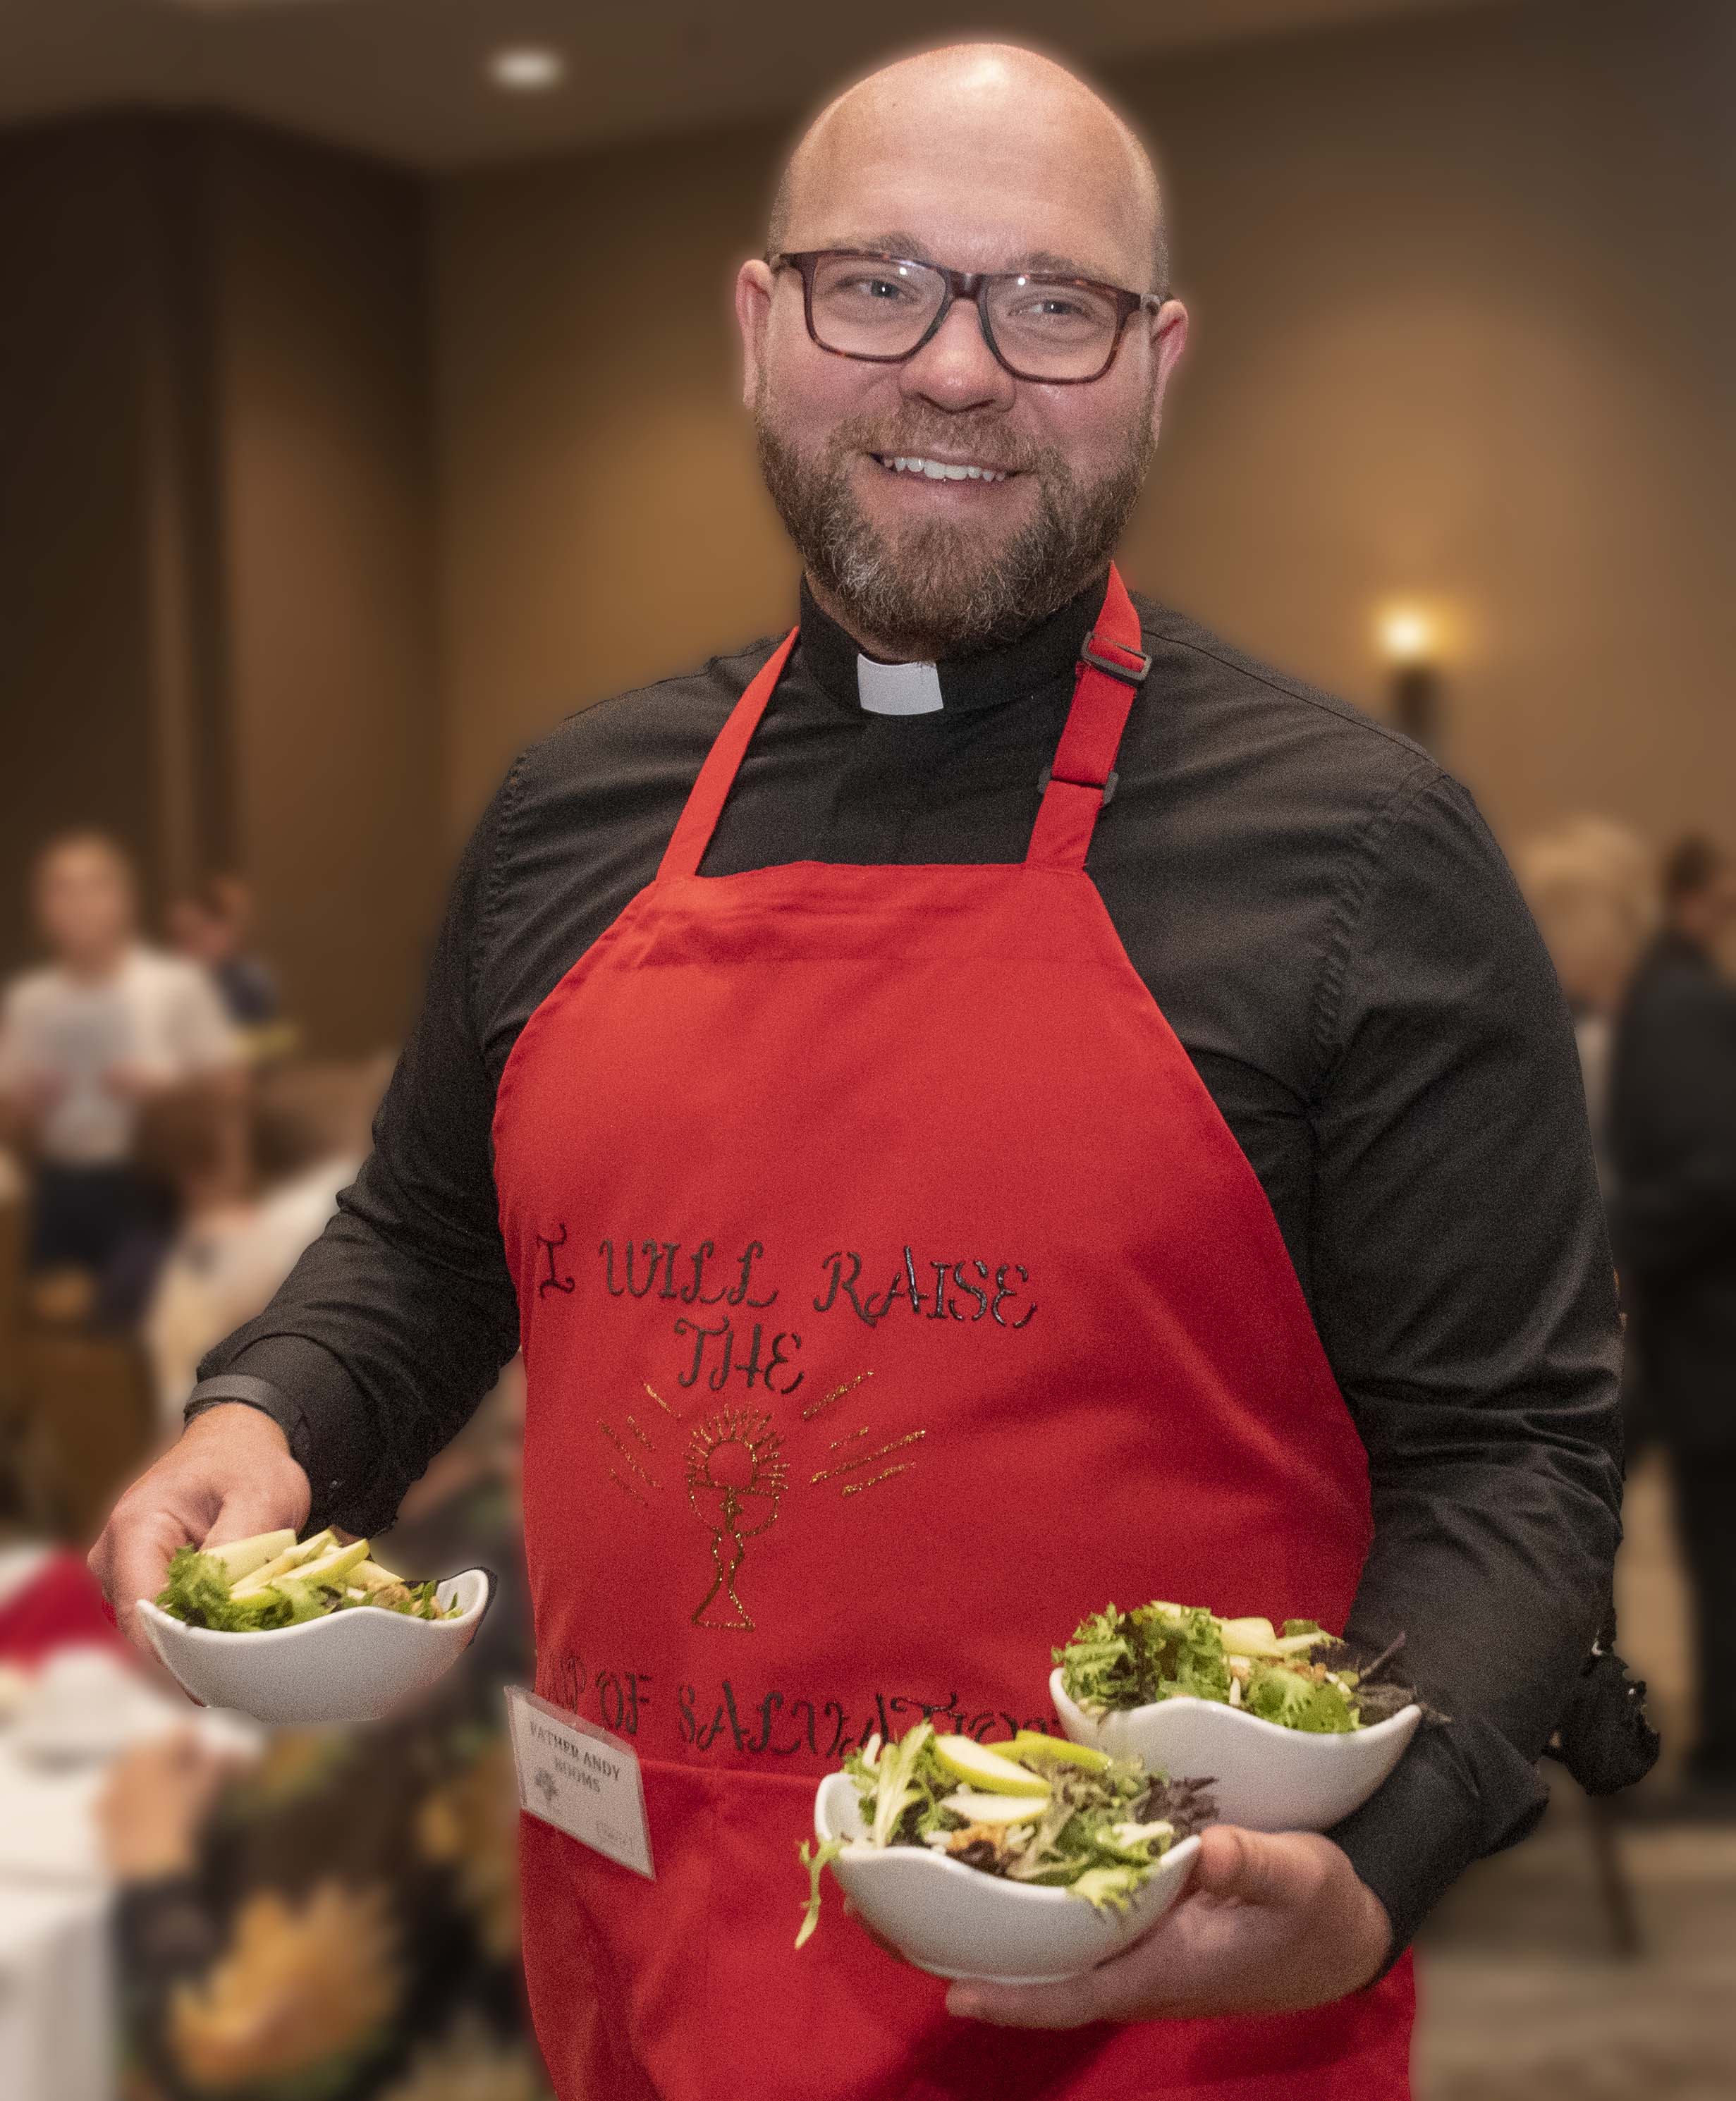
57 2027
72 1704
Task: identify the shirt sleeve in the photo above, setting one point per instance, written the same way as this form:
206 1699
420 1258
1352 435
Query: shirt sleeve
397 1319
1466 1299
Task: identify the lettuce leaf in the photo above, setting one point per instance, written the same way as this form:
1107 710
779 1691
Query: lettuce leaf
198 1591
1156 1652
1183 1651
816 1860
1294 1701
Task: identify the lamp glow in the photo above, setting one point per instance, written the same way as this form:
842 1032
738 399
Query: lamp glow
1406 636
527 69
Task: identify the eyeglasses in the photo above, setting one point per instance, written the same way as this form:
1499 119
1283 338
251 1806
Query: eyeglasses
1060 331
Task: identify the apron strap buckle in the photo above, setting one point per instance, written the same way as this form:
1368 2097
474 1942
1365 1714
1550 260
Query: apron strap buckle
1107 787
1129 665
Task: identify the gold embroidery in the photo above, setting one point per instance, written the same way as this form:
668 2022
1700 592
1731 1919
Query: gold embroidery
837 1393
868 1458
737 1475
732 1462
663 1403
650 1480
874 1480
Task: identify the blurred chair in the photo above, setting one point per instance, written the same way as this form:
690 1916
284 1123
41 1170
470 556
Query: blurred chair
75 1415
13 1228
88 1427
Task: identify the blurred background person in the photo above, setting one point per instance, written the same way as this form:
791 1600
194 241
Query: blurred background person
1593 891
210 926
1672 1136
86 1041
247 1211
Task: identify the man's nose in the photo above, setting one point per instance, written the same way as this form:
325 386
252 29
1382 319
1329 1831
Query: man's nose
956 369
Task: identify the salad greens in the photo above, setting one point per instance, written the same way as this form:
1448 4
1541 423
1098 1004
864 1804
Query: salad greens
1032 1808
253 1584
1303 1679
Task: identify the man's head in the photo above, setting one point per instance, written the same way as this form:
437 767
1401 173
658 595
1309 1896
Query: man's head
210 923
980 158
1699 891
86 899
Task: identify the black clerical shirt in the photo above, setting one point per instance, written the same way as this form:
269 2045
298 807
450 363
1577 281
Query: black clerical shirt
1322 917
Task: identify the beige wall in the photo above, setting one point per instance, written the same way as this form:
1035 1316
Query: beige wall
1463 292
216 582
76 684
590 443
320 406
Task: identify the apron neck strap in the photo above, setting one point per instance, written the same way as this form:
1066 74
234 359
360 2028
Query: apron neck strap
1112 666
704 806
1112 669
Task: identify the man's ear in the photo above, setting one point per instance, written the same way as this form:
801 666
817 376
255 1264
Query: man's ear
753 309
1169 339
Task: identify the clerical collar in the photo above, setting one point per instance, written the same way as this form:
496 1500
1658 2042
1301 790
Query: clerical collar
1041 656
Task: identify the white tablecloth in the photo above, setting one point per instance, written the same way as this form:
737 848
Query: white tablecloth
57 2028
57 2013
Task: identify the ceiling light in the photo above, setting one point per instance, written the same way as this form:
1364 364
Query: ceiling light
527 69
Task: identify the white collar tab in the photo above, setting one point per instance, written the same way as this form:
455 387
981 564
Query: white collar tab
898 690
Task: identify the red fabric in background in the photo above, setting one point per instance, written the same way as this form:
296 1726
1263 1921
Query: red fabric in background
59 1606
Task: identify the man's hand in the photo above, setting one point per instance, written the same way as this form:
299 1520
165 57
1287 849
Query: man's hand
1269 1924
230 1476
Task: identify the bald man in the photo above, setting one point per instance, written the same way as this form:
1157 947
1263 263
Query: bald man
991 1104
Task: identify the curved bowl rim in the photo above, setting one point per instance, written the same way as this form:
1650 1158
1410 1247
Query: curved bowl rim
1181 1852
417 1630
1407 1717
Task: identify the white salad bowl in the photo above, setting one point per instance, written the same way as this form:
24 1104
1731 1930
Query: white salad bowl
1264 1777
348 1666
956 1922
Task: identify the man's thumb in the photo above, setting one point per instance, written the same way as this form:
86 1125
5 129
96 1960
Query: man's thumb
1250 1867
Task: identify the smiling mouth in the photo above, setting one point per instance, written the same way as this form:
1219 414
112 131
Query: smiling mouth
934 469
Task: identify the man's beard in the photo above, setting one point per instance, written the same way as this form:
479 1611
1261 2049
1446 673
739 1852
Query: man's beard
944 589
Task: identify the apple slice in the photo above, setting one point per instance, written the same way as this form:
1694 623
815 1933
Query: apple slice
292 1557
978 1767
1250 1638
241 1557
1034 1742
332 1570
1300 1644
993 1808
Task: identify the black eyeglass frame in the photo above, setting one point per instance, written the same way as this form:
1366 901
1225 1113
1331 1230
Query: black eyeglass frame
966 284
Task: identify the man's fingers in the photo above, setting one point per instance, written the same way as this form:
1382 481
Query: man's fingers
246 1513
138 1559
1254 1867
1070 2004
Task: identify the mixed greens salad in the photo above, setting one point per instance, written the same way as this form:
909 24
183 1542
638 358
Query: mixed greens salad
1302 1679
1033 1808
272 1580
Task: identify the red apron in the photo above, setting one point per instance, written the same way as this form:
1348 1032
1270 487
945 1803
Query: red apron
893 1294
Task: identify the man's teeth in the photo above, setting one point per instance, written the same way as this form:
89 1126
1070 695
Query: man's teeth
943 470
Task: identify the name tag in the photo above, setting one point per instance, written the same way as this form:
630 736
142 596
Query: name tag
581 1779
